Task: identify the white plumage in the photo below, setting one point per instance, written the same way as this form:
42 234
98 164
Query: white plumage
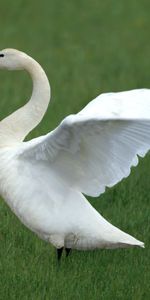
42 180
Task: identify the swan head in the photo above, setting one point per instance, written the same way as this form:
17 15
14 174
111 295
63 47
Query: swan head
12 59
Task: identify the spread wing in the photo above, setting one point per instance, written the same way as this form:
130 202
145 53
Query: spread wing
98 146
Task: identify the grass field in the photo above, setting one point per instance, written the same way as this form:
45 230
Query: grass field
86 47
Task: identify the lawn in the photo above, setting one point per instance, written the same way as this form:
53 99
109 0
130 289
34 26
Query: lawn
86 47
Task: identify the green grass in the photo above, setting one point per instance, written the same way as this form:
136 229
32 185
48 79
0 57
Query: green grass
86 47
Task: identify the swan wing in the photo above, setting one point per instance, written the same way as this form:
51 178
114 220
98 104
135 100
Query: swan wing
97 147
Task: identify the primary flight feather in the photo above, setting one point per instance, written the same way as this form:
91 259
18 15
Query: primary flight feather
43 180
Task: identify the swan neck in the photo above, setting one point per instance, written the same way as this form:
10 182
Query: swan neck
15 127
41 88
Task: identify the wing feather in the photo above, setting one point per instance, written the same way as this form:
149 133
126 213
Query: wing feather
97 147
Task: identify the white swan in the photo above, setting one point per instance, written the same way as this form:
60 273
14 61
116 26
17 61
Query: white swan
43 180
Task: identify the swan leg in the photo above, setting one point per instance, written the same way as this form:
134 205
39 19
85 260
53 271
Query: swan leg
59 253
68 250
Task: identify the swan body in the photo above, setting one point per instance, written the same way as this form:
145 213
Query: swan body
43 180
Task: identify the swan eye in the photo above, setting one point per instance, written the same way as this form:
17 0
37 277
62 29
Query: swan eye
1 55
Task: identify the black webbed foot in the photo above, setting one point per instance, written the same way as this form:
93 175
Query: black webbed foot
68 250
59 253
